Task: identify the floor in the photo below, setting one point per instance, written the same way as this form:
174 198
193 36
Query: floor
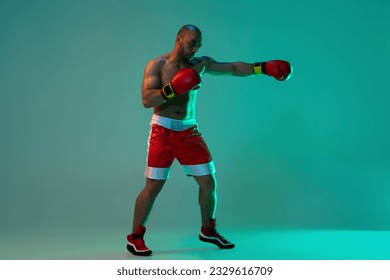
251 244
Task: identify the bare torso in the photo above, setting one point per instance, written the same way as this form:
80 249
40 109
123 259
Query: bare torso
183 106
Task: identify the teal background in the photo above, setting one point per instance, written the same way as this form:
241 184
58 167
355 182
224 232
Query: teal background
312 152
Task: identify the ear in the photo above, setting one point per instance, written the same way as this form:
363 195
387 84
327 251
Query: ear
179 38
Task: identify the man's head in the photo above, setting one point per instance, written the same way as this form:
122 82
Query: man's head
188 41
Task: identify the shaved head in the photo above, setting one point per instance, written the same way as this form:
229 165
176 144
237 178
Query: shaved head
186 28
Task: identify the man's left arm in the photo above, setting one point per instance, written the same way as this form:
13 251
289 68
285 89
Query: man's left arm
214 67
279 69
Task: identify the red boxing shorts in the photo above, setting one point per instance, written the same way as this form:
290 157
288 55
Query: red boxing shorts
171 139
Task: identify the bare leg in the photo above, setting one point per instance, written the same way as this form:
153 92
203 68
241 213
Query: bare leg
208 205
145 200
207 197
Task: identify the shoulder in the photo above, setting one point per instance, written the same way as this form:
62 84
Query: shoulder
158 61
155 64
202 63
202 60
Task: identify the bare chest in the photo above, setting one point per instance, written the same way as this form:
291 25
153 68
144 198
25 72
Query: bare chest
169 69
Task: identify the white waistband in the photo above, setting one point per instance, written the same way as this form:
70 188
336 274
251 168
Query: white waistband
173 124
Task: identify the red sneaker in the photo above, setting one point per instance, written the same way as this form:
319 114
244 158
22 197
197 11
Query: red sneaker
210 235
136 244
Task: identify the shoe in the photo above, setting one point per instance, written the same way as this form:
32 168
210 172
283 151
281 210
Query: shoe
210 235
136 244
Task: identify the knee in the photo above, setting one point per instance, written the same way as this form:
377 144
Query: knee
153 187
211 183
208 183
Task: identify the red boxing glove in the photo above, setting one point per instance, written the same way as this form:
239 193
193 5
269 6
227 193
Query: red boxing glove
184 80
279 69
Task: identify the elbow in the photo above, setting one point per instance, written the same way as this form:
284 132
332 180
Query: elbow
151 99
145 100
147 103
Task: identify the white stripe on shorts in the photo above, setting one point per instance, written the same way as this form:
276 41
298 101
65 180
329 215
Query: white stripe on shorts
177 125
157 173
200 169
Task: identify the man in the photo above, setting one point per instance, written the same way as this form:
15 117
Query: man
170 86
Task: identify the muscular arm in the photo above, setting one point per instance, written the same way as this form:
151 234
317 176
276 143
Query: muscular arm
227 68
151 95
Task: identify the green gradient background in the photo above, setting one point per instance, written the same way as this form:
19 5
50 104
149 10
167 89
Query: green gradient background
311 152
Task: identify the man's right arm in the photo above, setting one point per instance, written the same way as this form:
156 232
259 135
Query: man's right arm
151 84
154 95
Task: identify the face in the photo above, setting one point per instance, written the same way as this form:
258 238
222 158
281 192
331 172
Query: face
189 44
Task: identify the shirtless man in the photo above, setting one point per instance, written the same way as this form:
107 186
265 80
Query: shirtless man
170 86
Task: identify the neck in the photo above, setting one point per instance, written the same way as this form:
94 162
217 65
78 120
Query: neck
174 57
